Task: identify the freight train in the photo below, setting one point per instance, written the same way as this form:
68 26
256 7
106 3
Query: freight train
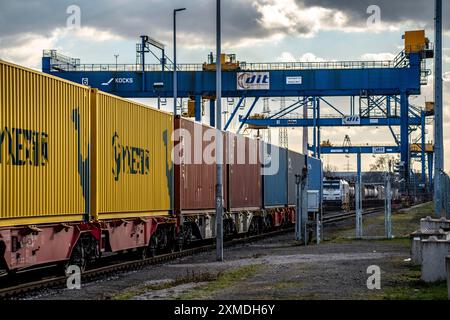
339 194
84 173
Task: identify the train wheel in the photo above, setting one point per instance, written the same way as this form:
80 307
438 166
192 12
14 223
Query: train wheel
171 244
3 265
179 246
153 246
142 253
256 226
78 257
85 252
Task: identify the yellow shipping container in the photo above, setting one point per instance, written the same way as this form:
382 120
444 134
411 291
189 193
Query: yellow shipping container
44 144
133 144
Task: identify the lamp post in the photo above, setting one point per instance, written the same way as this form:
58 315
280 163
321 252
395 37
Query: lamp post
116 56
438 119
175 91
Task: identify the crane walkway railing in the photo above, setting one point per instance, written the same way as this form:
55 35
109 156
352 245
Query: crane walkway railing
243 66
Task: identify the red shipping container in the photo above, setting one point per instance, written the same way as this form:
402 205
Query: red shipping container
243 173
195 176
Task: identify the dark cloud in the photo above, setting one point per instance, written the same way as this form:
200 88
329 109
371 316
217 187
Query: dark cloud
392 11
130 18
241 19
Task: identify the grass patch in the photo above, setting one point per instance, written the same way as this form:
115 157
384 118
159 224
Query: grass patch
418 290
405 241
286 285
407 285
404 222
224 280
124 295
190 277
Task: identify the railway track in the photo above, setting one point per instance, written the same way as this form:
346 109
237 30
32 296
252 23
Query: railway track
346 215
18 290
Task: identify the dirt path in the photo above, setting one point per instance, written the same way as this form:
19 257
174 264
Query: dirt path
276 268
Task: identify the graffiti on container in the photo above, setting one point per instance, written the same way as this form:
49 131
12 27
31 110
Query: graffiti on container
21 147
129 159
83 165
169 168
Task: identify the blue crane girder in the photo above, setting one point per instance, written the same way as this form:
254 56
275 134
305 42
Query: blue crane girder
359 149
331 122
314 82
363 150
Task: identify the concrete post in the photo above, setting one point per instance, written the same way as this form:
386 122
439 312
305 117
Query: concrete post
388 210
358 199
298 209
318 228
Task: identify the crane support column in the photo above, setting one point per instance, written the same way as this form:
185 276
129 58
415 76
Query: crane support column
318 128
305 129
438 101
314 104
198 108
423 159
212 113
404 137
388 106
430 170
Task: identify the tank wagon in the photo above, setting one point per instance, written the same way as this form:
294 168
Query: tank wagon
84 173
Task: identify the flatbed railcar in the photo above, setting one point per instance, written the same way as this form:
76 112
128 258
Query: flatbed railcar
84 173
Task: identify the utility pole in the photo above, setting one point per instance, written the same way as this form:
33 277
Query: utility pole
219 149
438 101
175 84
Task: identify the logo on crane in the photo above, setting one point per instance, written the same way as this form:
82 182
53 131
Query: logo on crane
351 120
253 81
118 81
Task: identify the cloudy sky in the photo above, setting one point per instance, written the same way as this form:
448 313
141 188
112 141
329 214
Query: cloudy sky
256 30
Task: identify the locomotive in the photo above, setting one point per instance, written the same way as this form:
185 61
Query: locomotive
339 194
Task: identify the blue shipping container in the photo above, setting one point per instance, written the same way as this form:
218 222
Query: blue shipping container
315 175
275 182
